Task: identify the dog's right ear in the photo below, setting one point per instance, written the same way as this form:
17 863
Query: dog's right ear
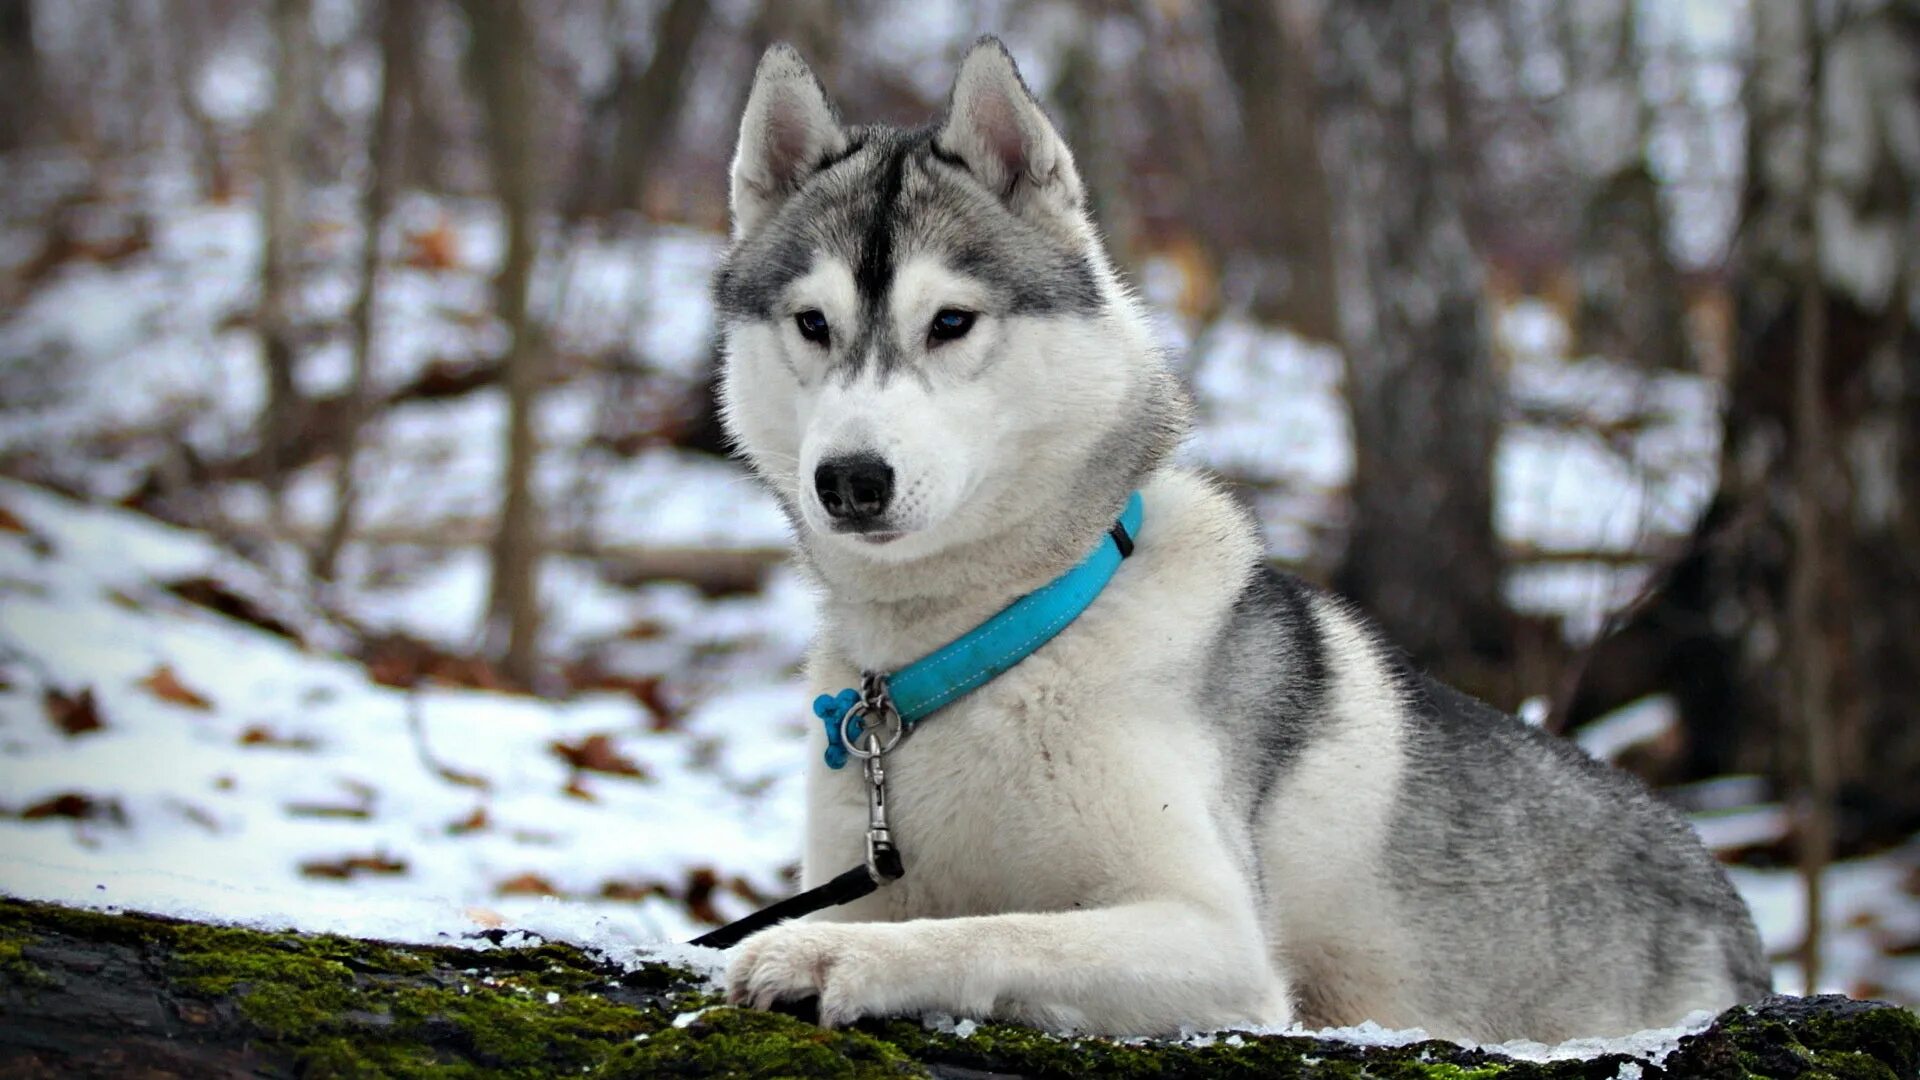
789 127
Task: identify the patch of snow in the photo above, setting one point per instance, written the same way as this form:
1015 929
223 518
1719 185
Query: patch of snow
1629 726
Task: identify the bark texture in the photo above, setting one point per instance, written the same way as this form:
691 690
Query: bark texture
505 69
1421 388
283 221
1717 632
1264 48
1630 305
86 994
399 33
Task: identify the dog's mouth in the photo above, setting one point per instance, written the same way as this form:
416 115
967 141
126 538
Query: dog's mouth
873 532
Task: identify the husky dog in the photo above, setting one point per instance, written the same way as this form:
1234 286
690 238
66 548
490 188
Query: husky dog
1218 797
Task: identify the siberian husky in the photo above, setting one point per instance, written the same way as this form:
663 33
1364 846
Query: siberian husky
1218 798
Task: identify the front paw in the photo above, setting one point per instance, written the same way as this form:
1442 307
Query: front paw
839 964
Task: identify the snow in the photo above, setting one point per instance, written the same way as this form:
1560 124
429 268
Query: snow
1641 722
300 761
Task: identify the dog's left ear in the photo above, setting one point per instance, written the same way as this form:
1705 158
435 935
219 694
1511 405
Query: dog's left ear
996 127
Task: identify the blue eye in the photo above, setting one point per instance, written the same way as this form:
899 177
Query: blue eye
813 326
950 324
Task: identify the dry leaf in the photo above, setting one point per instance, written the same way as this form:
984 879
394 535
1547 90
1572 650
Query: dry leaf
76 714
79 807
166 686
378 864
578 790
527 885
633 890
472 823
437 248
596 753
10 522
262 735
486 917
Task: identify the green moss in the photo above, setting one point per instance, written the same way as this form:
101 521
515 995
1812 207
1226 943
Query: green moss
750 1045
15 967
336 1007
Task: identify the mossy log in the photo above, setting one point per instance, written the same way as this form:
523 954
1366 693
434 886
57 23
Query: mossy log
88 993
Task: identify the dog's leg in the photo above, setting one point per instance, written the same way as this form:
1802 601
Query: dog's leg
1141 968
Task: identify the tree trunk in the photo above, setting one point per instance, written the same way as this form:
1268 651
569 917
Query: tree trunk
1270 69
399 30
1716 633
282 226
90 994
504 62
19 73
1420 386
1630 305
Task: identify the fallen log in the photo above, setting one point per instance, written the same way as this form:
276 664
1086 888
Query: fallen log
87 993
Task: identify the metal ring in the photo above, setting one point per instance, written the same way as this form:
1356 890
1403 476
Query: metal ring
846 734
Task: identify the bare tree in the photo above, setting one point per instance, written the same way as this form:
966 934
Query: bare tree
1263 47
633 119
399 31
1807 573
282 219
504 66
1818 508
1630 304
1421 390
19 73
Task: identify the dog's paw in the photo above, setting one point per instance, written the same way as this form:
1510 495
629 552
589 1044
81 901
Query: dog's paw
838 963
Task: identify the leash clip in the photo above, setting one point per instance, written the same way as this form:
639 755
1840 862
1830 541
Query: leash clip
876 701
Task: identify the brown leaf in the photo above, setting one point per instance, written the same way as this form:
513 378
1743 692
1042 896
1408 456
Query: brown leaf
526 885
74 714
472 823
75 805
437 248
378 864
486 917
596 753
10 522
633 890
701 883
577 790
404 662
262 735
166 686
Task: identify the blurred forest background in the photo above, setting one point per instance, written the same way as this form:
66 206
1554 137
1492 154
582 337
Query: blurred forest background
367 537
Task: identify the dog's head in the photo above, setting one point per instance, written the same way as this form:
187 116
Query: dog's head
925 342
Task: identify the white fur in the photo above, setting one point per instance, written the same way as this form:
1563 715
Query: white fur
1133 916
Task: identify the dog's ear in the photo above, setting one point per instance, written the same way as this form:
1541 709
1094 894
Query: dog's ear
788 129
996 127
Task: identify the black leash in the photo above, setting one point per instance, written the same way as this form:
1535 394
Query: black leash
844 889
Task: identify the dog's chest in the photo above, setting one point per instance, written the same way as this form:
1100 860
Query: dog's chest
1002 802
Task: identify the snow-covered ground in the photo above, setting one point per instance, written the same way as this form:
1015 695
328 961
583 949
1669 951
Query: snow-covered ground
156 754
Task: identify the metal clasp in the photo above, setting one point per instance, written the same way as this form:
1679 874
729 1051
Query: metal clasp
876 703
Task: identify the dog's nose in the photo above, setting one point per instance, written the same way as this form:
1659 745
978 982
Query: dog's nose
855 487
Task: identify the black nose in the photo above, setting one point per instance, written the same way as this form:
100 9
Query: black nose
855 487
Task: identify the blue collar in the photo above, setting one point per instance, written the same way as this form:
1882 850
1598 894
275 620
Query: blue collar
938 679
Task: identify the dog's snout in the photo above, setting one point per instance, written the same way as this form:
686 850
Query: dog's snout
854 488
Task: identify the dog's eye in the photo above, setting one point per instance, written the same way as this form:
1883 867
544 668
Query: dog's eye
813 326
950 324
